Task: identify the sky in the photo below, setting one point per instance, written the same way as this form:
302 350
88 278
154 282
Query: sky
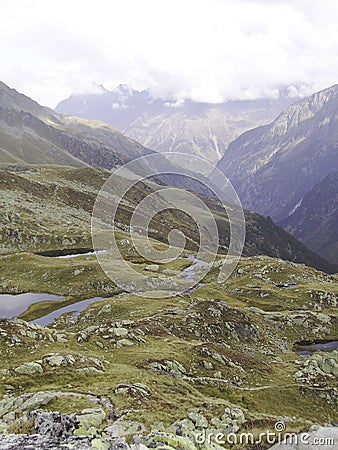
204 50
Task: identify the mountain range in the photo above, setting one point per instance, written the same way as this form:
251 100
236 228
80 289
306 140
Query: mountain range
34 135
273 167
202 129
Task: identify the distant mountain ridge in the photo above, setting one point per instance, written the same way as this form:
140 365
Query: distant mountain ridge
274 166
201 129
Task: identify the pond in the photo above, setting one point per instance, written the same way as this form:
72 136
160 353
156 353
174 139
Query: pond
286 285
75 255
14 305
307 347
75 308
71 253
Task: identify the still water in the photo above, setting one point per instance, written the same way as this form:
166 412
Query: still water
14 305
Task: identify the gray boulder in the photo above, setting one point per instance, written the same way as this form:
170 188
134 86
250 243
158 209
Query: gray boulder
28 368
54 424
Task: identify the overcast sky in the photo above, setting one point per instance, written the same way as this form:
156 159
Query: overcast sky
207 50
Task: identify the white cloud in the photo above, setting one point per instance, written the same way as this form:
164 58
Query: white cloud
208 50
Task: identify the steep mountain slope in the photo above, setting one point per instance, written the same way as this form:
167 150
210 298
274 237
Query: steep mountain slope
49 208
272 167
315 220
30 133
195 128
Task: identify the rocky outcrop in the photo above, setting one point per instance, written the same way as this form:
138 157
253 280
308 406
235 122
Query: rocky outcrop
19 332
56 361
38 441
191 433
90 421
214 321
28 368
52 431
54 425
173 368
134 390
317 367
12 408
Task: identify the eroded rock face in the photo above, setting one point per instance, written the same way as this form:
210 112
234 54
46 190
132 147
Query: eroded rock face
273 167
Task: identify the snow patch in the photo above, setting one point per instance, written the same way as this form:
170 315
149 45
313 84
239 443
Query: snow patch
295 207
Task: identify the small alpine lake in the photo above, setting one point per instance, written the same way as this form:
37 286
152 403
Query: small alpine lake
12 305
307 347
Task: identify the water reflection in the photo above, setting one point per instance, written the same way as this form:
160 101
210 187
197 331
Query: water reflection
14 305
75 308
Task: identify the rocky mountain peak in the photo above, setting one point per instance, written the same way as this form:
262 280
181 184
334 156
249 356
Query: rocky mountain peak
304 110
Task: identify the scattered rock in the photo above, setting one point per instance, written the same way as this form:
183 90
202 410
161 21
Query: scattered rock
172 367
124 343
90 420
121 428
29 368
134 390
318 364
152 267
